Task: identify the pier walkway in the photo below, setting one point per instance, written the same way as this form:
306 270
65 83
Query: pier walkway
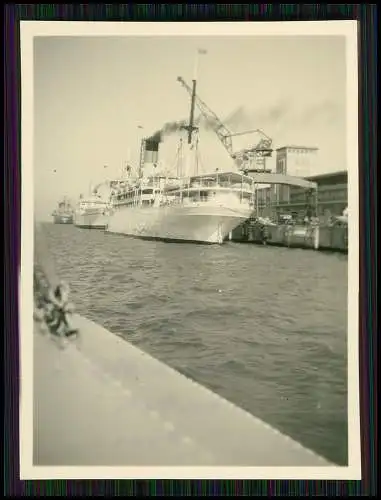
107 403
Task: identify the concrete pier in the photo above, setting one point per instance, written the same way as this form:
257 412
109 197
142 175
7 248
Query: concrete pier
334 238
104 402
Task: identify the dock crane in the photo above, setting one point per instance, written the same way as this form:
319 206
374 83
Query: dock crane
250 159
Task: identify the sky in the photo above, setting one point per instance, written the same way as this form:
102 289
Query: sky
96 97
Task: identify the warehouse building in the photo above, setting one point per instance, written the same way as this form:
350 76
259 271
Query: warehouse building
330 199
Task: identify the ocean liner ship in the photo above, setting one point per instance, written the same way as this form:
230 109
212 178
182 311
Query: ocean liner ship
198 208
188 206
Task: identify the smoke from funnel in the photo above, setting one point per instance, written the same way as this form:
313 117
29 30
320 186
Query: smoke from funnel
167 129
208 123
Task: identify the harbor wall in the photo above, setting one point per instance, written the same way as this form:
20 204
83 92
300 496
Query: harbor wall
333 238
102 401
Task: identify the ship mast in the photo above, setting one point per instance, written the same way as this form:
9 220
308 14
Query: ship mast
190 127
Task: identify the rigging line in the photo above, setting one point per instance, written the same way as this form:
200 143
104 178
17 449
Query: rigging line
201 162
176 157
172 163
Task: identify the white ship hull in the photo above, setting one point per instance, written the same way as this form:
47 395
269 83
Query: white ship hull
63 219
199 223
90 221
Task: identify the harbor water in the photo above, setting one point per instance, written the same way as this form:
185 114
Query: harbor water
266 328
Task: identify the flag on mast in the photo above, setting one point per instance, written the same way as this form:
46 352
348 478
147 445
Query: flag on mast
202 51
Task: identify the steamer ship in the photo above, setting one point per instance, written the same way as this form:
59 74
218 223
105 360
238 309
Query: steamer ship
197 208
153 203
92 211
63 214
186 207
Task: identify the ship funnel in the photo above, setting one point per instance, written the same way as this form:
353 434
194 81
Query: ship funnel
149 156
151 150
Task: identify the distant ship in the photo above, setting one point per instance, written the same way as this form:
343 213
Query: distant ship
63 213
92 211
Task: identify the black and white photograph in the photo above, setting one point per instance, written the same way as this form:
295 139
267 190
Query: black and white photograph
190 223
